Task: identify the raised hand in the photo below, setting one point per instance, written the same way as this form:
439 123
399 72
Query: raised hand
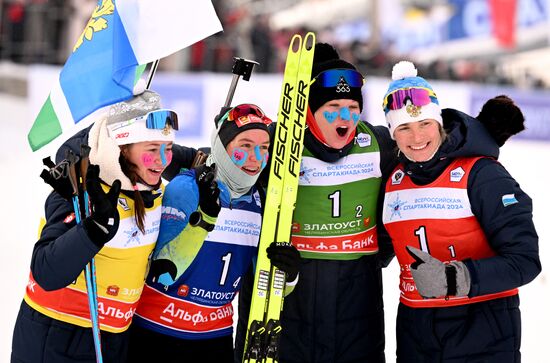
103 222
208 189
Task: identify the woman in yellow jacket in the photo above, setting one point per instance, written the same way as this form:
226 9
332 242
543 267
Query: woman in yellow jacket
130 148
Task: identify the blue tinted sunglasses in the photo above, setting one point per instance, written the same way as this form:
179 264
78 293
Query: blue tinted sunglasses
332 77
159 118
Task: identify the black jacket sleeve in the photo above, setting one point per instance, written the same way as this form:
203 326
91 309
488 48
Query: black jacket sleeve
182 158
388 161
63 249
388 150
509 230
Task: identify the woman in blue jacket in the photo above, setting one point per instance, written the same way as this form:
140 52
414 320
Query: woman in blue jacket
208 239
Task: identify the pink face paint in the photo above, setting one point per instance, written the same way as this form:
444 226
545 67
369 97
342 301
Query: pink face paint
264 162
239 156
148 160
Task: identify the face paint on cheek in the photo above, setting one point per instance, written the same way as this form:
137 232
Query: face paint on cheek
239 156
355 117
148 160
264 162
258 152
345 114
330 116
163 154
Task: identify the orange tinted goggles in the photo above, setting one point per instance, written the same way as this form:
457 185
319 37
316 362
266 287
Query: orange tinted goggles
248 113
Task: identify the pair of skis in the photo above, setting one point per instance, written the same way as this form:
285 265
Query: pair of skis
264 328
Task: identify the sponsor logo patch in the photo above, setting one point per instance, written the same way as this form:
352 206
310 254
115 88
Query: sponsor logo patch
257 199
364 140
123 203
68 219
397 177
112 290
183 290
457 174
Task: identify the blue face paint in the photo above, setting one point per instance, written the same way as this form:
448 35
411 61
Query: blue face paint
259 156
239 156
258 152
330 116
345 114
355 117
163 155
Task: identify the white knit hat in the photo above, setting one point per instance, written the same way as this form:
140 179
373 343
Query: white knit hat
404 75
126 121
120 127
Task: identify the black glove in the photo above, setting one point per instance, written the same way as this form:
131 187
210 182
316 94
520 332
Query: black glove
103 222
285 257
57 176
208 189
434 278
159 268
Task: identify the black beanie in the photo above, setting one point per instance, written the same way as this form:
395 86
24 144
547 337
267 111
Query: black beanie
325 58
229 129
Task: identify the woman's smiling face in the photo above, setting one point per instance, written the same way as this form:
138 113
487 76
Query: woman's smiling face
418 140
249 150
150 157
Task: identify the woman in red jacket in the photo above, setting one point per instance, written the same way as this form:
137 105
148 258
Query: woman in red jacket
462 231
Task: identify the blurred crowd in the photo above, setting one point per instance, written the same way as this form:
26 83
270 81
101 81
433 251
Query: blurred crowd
44 31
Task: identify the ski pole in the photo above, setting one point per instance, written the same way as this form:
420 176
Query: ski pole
90 273
92 297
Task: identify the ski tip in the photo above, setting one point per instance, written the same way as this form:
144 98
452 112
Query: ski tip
309 41
295 43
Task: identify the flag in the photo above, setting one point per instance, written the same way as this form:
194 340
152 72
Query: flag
120 36
503 21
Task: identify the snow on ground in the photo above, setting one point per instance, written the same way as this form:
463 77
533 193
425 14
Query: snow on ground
24 194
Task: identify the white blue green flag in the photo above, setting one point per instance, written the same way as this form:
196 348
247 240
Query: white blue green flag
120 36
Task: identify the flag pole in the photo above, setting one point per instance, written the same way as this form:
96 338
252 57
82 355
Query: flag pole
152 72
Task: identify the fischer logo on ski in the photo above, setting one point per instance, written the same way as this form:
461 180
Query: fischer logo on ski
264 328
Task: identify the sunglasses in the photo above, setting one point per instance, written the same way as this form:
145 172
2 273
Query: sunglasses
159 118
417 96
248 113
333 77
